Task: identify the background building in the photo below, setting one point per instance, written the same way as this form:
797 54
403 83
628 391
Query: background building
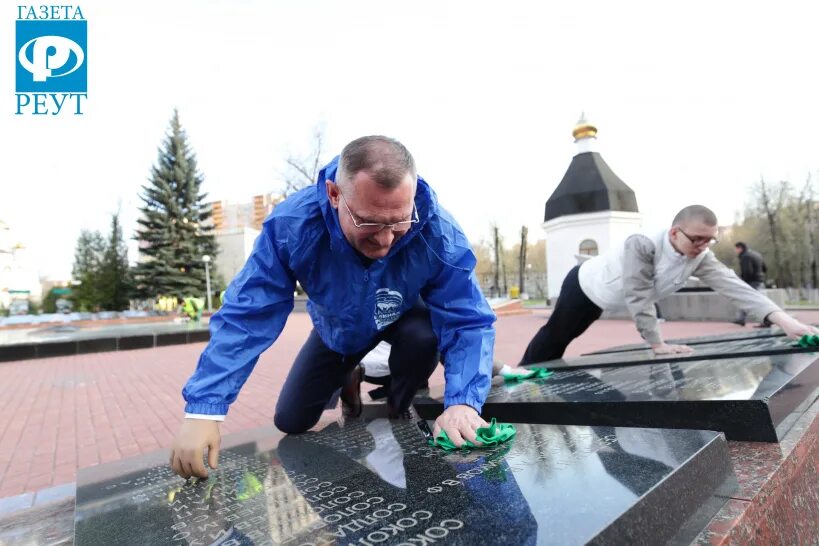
590 211
236 227
19 281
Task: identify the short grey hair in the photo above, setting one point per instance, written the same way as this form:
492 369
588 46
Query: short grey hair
385 159
697 213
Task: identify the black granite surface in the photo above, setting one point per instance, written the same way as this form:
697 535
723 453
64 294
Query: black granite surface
376 481
174 338
18 352
756 333
751 398
96 345
708 350
71 340
128 343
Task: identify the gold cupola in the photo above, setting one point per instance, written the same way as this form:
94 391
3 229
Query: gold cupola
584 129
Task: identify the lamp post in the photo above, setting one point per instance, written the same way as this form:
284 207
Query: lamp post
206 259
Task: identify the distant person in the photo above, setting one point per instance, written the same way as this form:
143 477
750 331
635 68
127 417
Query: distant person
641 271
192 307
382 260
752 270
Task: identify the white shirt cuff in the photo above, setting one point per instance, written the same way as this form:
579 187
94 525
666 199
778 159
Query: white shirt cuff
204 416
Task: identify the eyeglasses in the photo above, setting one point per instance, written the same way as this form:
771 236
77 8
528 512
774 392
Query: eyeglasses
374 227
699 241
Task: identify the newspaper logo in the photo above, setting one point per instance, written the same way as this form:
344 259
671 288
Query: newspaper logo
51 59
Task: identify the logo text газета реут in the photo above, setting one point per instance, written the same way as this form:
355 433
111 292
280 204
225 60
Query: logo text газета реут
51 60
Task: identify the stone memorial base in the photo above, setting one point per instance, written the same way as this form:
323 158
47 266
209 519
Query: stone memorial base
69 340
750 398
778 497
776 502
376 481
699 306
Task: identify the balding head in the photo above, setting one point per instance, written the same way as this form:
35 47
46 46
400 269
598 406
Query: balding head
385 159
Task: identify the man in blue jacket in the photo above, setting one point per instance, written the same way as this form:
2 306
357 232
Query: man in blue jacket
368 244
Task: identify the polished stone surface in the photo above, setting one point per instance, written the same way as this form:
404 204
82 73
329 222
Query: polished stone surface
751 398
377 482
715 349
64 340
72 332
51 524
756 333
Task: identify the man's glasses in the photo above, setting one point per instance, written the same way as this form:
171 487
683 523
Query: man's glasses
699 241
374 227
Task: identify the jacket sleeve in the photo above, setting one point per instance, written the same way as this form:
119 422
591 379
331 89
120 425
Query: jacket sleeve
463 322
638 285
254 311
746 268
726 283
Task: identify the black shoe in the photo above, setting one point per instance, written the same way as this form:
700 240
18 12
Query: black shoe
738 322
351 393
402 415
379 393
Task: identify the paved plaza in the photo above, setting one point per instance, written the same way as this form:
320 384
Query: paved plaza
60 414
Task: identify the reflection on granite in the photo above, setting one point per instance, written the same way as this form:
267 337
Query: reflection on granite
69 332
733 336
752 398
48 525
47 342
377 482
710 350
778 498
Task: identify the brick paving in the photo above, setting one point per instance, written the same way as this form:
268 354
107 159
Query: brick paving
61 414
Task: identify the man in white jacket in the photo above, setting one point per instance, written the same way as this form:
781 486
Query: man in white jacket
640 272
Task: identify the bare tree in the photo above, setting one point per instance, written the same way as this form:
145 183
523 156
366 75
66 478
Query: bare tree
496 248
771 202
302 170
808 208
524 232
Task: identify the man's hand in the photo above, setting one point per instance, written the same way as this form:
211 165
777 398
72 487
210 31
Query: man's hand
504 369
189 446
460 422
666 349
792 327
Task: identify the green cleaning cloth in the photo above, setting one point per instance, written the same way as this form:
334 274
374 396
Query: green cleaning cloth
808 341
534 373
495 434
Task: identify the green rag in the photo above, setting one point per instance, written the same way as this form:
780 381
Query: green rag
495 434
534 373
808 341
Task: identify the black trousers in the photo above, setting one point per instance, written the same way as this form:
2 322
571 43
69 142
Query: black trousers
572 315
319 372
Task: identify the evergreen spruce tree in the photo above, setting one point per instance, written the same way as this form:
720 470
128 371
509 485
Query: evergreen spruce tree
175 229
88 257
114 277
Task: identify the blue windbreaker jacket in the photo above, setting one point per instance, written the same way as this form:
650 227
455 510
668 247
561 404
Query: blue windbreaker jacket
349 303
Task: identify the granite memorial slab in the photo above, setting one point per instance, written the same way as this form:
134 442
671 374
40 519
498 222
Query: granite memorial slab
375 481
750 398
756 333
709 350
67 339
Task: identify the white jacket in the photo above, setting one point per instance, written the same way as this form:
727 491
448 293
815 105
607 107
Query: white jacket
645 269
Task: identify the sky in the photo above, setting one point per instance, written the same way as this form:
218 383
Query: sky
694 102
